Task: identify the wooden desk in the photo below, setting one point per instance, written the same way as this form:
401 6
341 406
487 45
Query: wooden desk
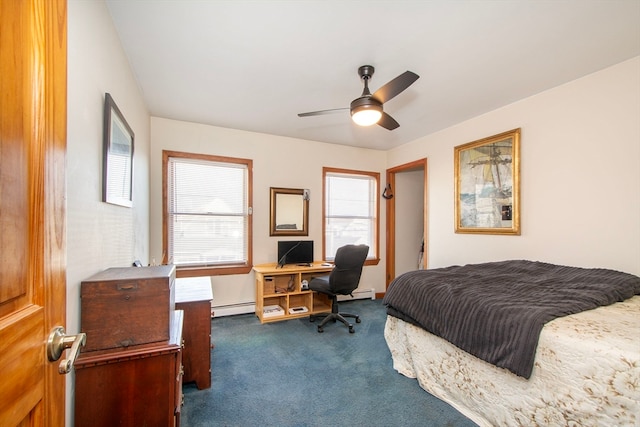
193 296
283 287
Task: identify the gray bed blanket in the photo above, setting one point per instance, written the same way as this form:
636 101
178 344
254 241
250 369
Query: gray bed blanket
496 310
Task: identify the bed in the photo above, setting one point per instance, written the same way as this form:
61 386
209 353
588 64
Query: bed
521 342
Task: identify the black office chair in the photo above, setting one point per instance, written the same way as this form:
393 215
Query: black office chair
342 280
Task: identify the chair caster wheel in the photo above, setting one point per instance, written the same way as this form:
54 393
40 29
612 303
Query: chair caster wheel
311 319
351 330
320 329
358 319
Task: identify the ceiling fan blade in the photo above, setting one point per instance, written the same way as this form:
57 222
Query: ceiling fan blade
395 86
321 112
388 122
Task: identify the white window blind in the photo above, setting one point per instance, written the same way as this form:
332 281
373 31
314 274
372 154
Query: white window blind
350 211
119 175
208 212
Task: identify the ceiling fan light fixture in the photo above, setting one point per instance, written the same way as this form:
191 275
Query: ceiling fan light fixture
367 109
366 112
366 116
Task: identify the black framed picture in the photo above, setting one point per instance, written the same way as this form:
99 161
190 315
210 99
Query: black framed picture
117 166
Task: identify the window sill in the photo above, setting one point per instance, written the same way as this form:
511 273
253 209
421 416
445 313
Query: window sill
212 271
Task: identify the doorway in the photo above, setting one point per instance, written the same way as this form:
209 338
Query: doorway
406 197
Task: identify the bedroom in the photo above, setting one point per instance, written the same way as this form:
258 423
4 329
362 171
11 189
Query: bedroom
562 169
580 171
564 174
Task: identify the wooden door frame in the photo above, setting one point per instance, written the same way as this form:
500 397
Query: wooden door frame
55 194
391 216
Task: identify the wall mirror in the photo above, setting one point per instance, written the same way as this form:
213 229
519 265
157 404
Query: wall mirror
289 212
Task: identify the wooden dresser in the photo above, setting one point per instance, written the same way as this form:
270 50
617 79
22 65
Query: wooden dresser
193 296
131 387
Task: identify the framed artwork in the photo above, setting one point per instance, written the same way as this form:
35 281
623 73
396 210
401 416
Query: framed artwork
117 164
487 185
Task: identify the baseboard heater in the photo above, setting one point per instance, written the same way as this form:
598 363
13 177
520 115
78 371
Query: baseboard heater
250 307
233 309
359 294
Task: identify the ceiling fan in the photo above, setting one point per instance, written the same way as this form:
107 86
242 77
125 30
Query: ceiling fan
367 109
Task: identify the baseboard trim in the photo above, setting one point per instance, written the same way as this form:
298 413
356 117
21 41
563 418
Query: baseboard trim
233 309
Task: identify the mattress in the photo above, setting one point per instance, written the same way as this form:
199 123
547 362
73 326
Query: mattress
496 310
586 372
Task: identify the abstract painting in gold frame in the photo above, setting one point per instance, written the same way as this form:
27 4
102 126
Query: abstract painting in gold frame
487 185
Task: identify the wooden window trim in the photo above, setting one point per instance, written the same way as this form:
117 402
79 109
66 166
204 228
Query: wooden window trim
376 175
218 270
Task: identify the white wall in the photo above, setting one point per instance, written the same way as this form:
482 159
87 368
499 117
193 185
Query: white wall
277 162
99 235
409 204
580 176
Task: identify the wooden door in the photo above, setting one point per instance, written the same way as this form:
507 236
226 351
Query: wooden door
33 105
391 216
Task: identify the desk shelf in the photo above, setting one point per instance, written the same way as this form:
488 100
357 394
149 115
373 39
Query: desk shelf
283 287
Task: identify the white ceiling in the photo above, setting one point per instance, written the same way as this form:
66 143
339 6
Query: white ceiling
253 65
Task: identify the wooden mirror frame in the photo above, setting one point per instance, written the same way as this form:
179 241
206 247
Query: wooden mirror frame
284 202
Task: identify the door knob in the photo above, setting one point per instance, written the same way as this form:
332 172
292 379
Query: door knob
59 341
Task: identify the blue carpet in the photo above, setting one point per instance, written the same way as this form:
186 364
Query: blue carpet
287 374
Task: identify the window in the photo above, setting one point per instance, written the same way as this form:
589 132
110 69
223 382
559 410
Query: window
350 211
207 216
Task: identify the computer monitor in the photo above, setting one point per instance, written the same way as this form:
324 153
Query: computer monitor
295 252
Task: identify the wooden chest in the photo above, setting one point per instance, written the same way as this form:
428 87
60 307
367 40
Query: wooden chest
122 307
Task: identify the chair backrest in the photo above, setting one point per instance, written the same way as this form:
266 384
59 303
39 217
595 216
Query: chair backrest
345 276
